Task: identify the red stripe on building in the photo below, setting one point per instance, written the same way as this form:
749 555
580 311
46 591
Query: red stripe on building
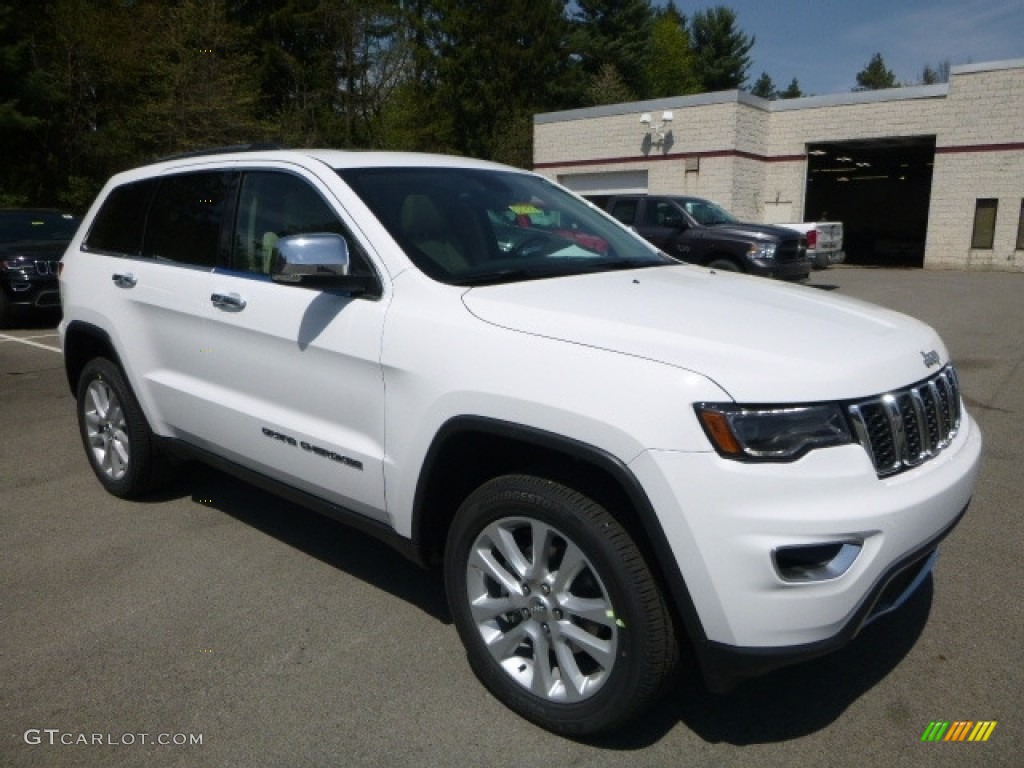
952 150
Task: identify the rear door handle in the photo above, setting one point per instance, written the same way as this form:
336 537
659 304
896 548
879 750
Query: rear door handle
124 279
230 302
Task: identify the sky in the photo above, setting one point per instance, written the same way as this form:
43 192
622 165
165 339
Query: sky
825 43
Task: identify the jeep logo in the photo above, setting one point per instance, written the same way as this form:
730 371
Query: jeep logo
931 358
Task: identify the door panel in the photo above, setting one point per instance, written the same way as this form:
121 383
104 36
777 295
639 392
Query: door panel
293 374
296 388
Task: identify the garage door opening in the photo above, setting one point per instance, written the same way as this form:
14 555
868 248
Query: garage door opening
880 190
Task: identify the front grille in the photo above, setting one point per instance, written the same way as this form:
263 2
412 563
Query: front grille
791 250
905 428
47 267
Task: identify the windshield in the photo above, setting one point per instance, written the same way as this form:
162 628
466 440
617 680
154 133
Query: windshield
32 226
477 226
708 214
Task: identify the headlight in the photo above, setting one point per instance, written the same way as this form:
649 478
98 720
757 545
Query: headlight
772 434
762 251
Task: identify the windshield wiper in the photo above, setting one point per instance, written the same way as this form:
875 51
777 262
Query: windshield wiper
501 276
571 267
610 265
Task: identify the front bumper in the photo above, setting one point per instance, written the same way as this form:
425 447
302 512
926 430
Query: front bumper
27 290
727 521
781 270
823 259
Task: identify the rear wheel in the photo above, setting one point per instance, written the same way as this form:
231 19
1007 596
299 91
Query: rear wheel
116 436
561 618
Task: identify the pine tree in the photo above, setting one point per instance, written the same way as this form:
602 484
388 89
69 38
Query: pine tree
616 32
792 91
764 87
672 65
875 76
722 49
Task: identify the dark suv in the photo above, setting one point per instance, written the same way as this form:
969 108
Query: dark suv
698 231
32 242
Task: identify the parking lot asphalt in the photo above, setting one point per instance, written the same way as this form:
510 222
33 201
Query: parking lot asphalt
218 614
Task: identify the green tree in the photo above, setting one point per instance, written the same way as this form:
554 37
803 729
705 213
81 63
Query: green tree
938 74
495 67
722 50
791 91
875 76
327 68
764 87
608 87
25 97
671 66
200 81
616 32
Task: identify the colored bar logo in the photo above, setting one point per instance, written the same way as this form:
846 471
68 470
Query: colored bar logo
958 730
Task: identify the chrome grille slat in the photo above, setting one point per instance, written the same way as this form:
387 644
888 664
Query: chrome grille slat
905 428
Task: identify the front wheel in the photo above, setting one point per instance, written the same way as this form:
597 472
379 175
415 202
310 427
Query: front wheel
724 265
561 618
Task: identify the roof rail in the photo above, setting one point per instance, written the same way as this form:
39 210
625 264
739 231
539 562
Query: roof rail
259 146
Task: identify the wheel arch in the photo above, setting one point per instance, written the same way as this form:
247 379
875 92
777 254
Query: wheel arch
82 342
720 255
469 450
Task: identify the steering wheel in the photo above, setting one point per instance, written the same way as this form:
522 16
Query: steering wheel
532 242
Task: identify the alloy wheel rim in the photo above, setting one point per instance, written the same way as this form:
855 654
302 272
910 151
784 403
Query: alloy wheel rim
106 430
541 609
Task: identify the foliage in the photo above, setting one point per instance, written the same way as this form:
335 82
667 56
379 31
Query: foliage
91 87
764 87
791 91
672 64
932 75
721 49
616 32
608 87
875 76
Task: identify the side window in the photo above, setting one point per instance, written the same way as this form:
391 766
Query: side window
119 224
273 205
625 211
187 215
657 213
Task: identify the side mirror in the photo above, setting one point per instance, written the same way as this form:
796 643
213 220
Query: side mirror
318 260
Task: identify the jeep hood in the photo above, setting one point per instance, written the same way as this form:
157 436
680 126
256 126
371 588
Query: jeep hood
759 340
744 231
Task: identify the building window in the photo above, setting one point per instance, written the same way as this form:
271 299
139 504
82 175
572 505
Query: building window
984 223
1020 228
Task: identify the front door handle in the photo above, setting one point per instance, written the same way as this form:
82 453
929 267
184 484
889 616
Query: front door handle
124 279
231 302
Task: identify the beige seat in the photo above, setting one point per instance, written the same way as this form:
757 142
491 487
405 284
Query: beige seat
426 228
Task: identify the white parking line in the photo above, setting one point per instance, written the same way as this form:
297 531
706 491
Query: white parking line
5 337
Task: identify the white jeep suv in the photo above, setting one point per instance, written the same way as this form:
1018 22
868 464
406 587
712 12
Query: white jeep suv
613 456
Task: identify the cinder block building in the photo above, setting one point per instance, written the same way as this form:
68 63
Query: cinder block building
927 176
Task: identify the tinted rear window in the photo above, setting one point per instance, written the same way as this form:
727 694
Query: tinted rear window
186 219
118 226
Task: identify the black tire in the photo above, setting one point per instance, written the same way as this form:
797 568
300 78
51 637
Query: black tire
589 607
724 265
116 436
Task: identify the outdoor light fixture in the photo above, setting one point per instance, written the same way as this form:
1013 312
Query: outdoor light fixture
656 131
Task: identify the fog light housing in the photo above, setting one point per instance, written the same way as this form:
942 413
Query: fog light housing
815 562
